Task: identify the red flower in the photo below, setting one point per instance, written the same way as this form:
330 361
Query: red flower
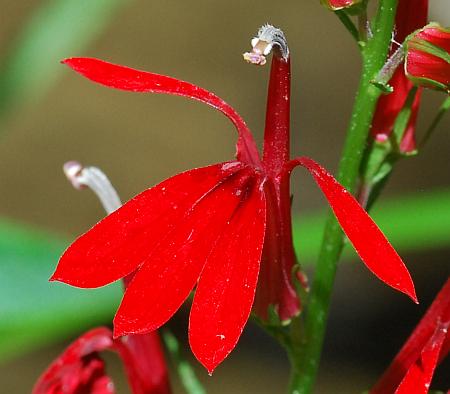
412 369
428 57
418 377
216 227
339 4
411 15
80 370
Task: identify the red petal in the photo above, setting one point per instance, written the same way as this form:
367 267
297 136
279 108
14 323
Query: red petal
144 363
96 382
407 19
168 275
276 133
80 370
119 244
275 287
226 289
418 378
427 53
367 239
419 64
436 36
125 78
388 108
439 311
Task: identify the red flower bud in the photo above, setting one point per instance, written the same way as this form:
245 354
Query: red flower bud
339 4
411 15
427 60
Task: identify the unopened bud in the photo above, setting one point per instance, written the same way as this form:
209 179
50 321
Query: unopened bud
335 5
427 60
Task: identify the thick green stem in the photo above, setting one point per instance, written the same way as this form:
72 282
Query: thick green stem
306 357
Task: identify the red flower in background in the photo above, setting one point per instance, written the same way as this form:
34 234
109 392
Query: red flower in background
411 15
412 369
339 4
216 227
80 370
428 57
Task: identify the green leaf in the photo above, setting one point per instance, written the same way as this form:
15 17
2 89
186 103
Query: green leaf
34 312
383 86
59 29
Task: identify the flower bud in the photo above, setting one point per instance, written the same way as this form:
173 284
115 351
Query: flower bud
411 15
335 5
427 61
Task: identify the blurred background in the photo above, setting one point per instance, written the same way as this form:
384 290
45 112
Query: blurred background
49 115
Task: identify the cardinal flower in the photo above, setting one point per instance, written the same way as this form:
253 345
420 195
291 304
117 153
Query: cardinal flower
216 228
80 369
411 15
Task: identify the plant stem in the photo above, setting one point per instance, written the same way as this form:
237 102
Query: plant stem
186 373
348 24
306 357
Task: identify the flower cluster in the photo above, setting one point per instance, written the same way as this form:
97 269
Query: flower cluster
408 19
422 60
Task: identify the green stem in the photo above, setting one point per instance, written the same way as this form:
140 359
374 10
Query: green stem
348 24
305 359
186 373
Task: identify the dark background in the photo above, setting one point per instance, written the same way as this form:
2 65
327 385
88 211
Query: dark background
138 140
